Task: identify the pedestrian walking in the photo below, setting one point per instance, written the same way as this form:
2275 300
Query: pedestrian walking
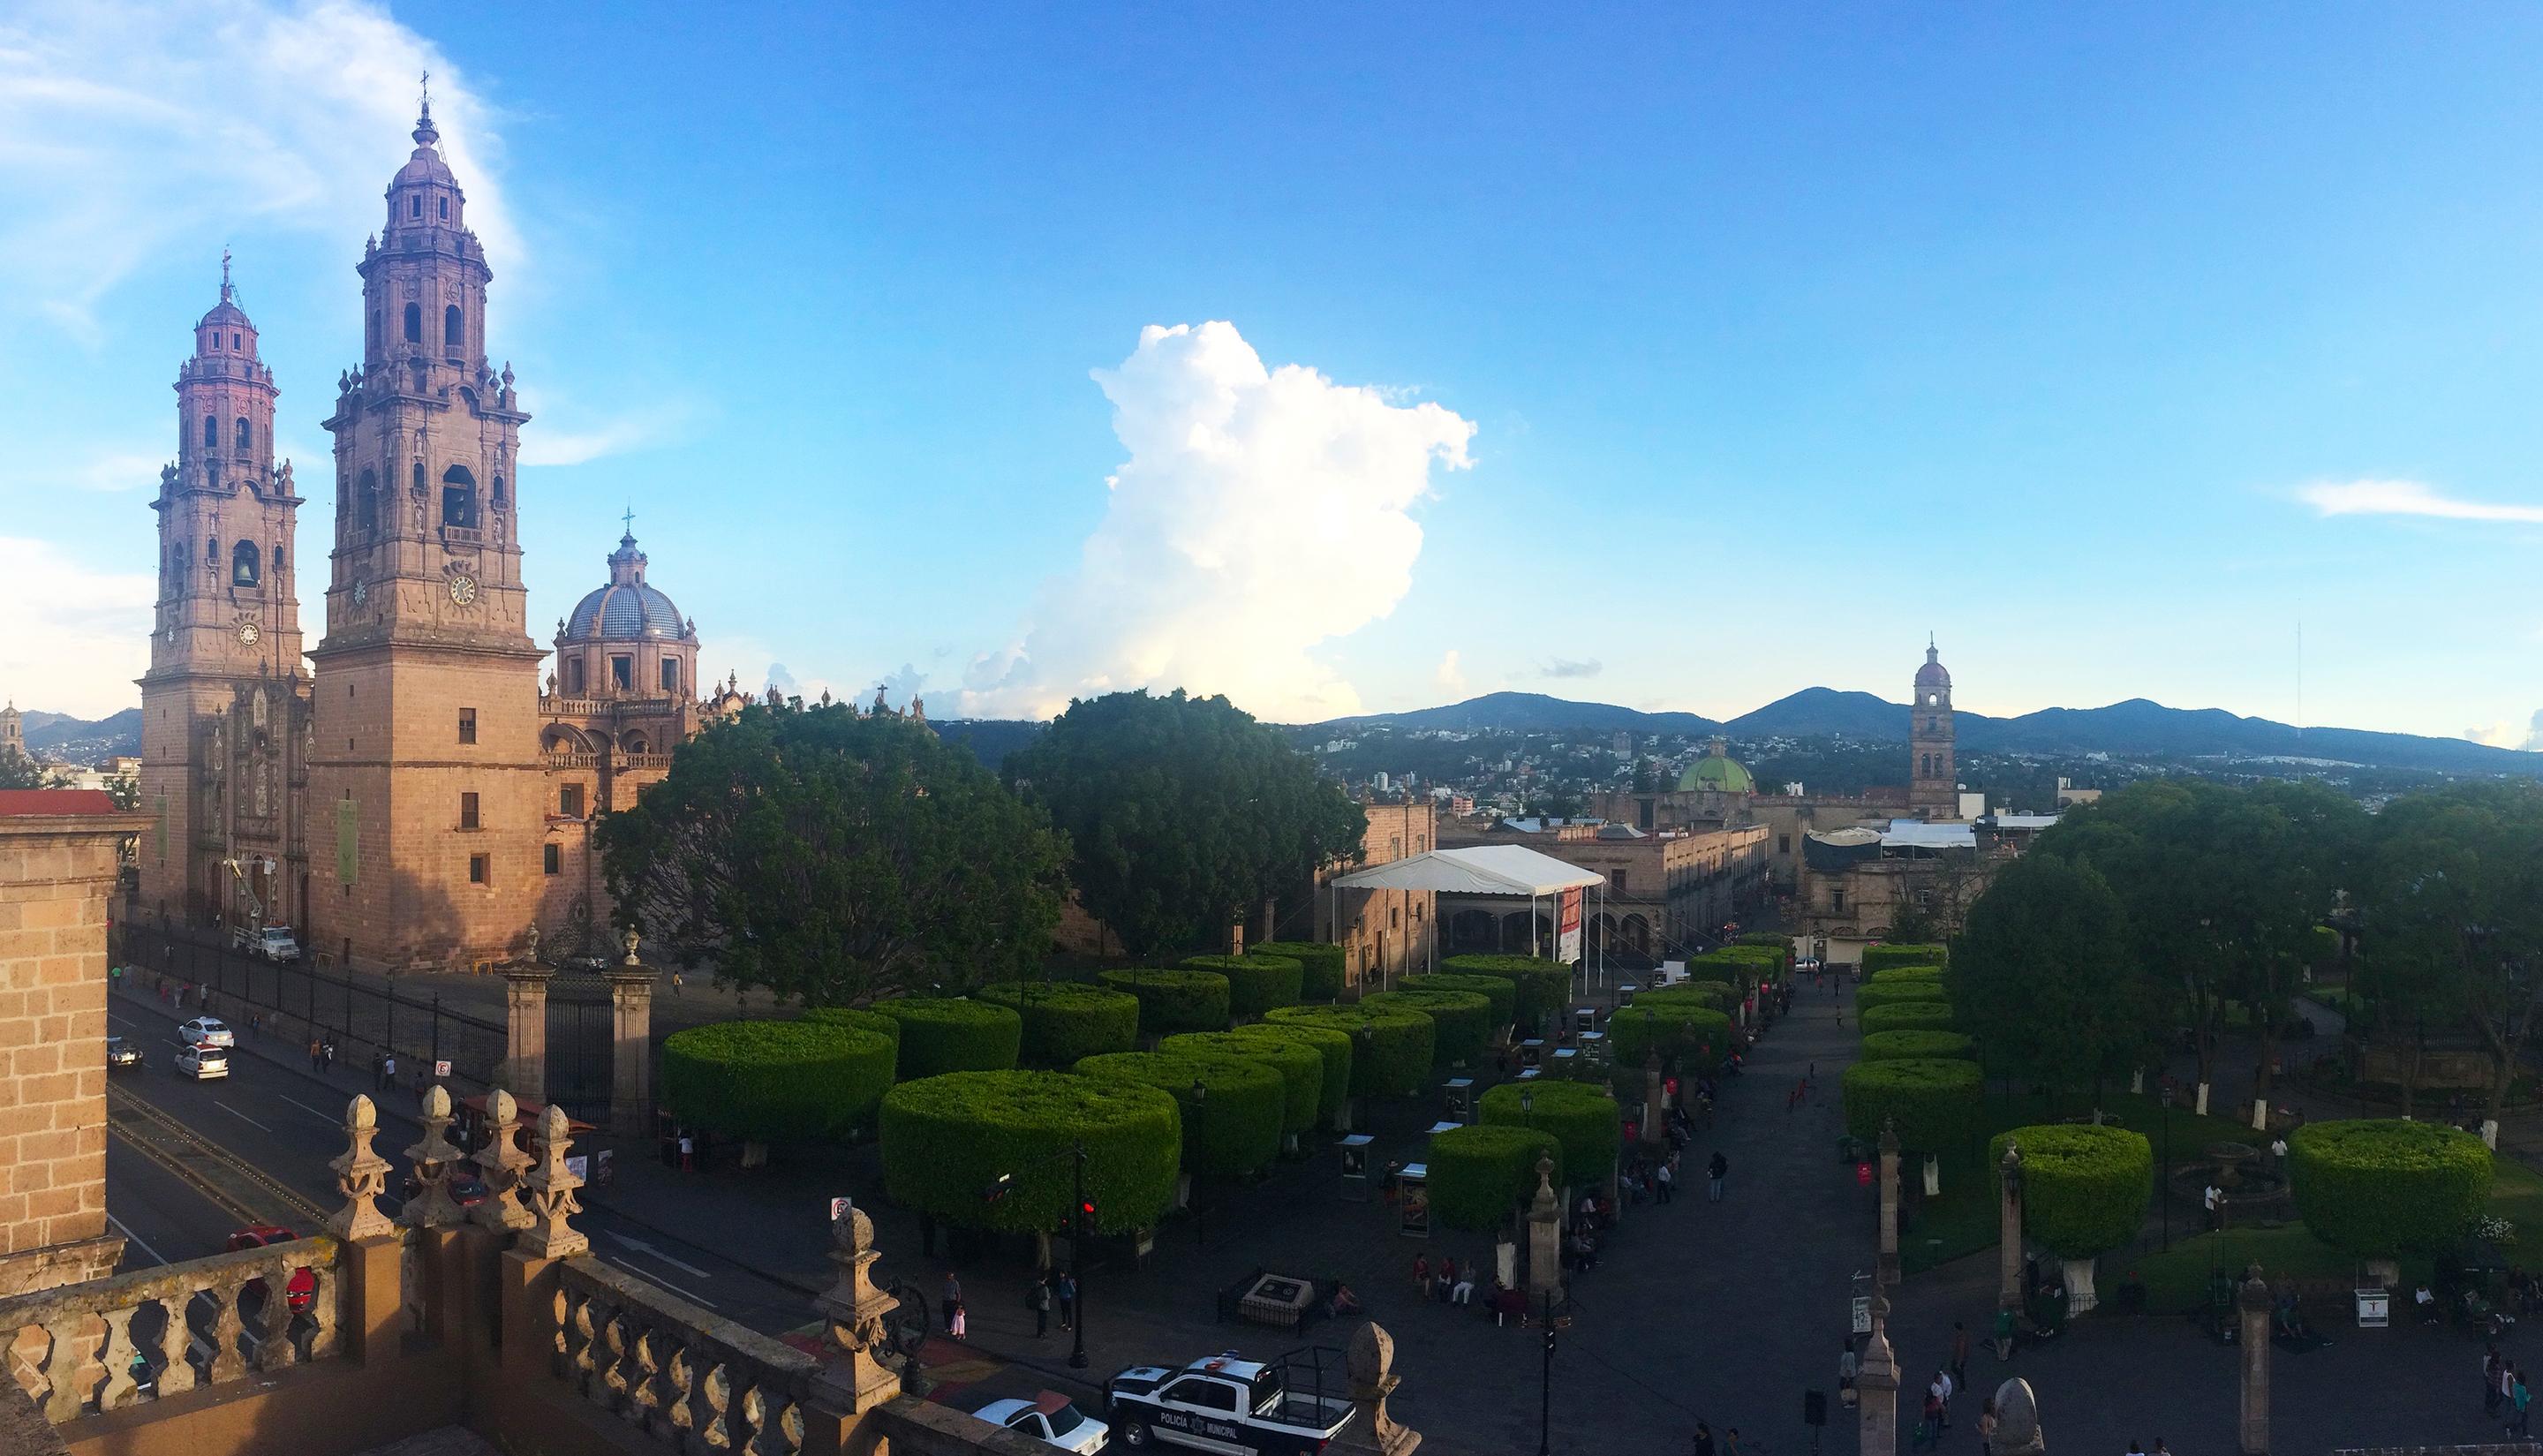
388 1072
1703 1439
688 1153
2518 1396
956 1325
1422 1273
1667 1183
1039 1302
2493 1387
314 1064
2506 1383
1716 1169
1986 1427
379 1082
327 1057
1960 1353
1067 1301
952 1299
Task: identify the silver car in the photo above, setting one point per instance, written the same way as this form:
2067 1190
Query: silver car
207 1031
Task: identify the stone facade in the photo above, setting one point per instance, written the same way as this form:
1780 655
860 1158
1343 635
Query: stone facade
59 853
1383 933
1665 890
1933 783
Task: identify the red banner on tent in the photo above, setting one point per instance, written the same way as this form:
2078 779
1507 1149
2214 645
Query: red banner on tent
1566 936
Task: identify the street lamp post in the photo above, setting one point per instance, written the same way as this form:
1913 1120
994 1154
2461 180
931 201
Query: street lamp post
1201 1146
2163 1196
1545 1386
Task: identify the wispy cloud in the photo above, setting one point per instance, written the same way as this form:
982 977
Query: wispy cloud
129 130
1565 668
119 470
1451 675
77 637
2527 735
567 435
2408 497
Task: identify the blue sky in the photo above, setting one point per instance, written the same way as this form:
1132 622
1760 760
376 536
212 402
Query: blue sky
1676 356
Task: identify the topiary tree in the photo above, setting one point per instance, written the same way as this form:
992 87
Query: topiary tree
1883 1046
1583 1117
1334 1089
1481 1177
2084 1190
1908 1016
1500 992
1234 1128
767 1082
946 1140
1172 1001
1687 1036
1937 1102
1461 1020
2384 1188
1878 959
1899 975
1900 993
1719 995
1064 1022
1392 1058
1321 966
1301 1067
940 1034
856 1019
1256 982
1544 986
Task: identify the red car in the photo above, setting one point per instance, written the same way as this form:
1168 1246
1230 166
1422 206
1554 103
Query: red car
303 1286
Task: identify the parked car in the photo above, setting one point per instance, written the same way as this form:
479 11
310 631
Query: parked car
271 943
122 1051
207 1031
1050 1418
1230 1404
303 1286
204 1063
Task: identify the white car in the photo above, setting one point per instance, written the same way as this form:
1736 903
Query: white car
1049 1418
206 1031
204 1063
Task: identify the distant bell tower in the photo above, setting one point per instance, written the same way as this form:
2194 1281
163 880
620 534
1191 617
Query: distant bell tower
1933 785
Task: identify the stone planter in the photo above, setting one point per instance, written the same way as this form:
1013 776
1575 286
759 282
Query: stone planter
2080 1295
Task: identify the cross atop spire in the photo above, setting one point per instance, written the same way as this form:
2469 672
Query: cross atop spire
630 519
425 132
228 294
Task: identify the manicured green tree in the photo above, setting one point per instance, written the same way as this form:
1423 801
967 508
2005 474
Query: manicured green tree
1899 993
1392 1058
1171 1000
1883 1046
1334 1089
1904 976
1301 1067
1781 944
1878 959
1500 991
1255 981
1937 1102
949 1034
1232 1130
1720 995
1320 965
1544 986
2085 1191
1765 962
1908 1016
947 1141
2385 1188
1462 1021
856 1019
834 856
1687 1036
1064 1022
1583 1117
2045 976
765 1082
1482 1177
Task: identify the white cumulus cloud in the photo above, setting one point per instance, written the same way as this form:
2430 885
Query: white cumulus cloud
1261 514
131 130
2527 735
2408 497
1451 675
77 637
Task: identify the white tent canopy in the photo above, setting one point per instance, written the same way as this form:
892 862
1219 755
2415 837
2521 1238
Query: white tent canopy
1476 870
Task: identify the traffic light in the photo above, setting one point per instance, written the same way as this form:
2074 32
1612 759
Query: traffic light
1085 1212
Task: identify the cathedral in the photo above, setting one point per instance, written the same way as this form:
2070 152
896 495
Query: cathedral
418 799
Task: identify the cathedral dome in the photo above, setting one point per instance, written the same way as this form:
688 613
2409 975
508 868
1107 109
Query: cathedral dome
1718 772
626 610
1932 674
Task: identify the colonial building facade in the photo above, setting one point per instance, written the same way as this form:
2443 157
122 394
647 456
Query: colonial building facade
414 801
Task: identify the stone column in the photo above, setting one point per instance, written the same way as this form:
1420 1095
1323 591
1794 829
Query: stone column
2017 1422
367 1317
2253 1305
855 1378
1373 1432
1876 1386
631 1055
1889 1266
2008 1259
1652 1129
1544 1236
526 1031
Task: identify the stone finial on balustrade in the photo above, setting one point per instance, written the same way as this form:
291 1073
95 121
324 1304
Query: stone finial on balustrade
433 1156
361 1175
854 1310
1370 1362
551 1191
500 1166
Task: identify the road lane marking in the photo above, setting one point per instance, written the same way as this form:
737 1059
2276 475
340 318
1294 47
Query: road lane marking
648 1276
242 1116
641 1247
313 1112
138 1239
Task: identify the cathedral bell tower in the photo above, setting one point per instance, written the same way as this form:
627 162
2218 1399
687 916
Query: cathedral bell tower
1933 785
425 796
226 630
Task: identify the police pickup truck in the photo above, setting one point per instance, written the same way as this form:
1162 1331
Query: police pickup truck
1238 1408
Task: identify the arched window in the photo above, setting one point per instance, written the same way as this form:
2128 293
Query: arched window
212 433
243 564
366 505
499 492
633 743
454 330
414 207
414 322
245 435
277 557
459 498
418 476
445 210
180 565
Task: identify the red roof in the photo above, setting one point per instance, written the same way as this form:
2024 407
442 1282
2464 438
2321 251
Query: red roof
23 801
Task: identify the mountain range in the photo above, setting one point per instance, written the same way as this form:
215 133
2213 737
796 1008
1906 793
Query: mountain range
58 734
2136 728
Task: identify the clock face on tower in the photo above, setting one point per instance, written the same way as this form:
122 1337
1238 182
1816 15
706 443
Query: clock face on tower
361 592
248 633
463 589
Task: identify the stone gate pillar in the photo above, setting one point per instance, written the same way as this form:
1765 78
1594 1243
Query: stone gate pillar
1544 1236
2252 1304
526 1031
1655 1131
2008 1259
631 1051
1889 1266
1876 1386
1371 1361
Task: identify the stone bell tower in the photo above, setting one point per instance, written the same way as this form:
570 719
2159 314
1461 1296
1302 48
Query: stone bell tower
227 627
425 797
1933 784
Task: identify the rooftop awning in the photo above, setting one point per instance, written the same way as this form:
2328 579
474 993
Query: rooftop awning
1476 870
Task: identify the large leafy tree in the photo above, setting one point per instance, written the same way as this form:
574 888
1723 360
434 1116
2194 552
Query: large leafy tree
17 771
2453 910
1180 813
837 857
2044 975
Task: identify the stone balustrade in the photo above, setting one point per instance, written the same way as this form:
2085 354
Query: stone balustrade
109 1344
678 1373
573 760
